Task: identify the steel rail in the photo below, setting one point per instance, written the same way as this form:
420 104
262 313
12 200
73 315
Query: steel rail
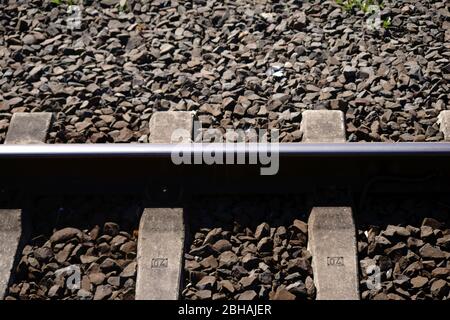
300 167
284 149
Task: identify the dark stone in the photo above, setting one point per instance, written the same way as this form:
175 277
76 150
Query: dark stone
111 229
265 245
65 234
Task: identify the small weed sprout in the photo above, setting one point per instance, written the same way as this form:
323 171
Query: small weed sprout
123 6
68 2
366 6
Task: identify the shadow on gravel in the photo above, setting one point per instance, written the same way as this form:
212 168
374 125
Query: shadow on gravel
252 248
402 208
404 247
83 212
81 248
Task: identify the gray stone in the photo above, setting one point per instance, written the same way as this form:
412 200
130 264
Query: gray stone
441 272
203 294
129 271
227 259
227 285
118 240
299 265
419 282
300 226
323 126
206 283
64 235
283 294
64 254
209 262
29 39
265 245
414 243
212 236
266 277
219 296
84 294
249 261
332 242
160 254
292 276
439 288
349 73
238 271
103 292
109 265
43 254
298 288
110 228
97 278
114 281
310 287
55 291
398 249
222 245
128 247
429 251
247 282
263 230
433 223
392 231
28 128
248 295
444 242
426 231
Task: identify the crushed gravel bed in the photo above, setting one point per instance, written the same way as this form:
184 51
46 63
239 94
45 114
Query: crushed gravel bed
103 70
248 250
405 255
78 263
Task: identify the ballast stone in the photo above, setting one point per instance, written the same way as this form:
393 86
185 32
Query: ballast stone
171 127
324 126
28 128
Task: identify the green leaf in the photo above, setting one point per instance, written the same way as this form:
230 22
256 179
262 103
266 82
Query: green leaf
386 23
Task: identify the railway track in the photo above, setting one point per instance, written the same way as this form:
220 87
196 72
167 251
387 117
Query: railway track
336 220
160 212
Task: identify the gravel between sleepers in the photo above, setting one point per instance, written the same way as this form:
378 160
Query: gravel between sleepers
407 251
240 64
256 251
75 262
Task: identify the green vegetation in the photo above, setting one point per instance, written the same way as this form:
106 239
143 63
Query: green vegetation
122 5
366 6
68 2
386 23
363 5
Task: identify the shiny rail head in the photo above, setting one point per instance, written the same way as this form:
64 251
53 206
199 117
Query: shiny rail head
283 149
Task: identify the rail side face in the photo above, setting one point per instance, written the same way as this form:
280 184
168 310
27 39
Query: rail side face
300 168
